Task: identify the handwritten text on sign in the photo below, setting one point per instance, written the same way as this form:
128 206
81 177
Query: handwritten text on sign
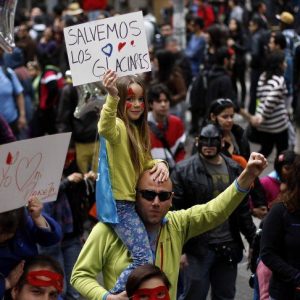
31 167
117 43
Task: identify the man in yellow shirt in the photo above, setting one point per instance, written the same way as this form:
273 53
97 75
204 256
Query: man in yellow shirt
167 231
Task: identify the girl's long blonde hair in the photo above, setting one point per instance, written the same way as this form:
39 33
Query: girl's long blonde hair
143 137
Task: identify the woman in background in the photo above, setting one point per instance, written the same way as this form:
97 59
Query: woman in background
236 146
271 117
280 241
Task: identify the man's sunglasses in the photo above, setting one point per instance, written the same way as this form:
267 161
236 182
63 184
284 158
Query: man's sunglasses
150 195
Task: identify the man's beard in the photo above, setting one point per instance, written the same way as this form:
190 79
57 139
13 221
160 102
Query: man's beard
209 156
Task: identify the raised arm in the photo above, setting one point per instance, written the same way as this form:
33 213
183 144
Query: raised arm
107 125
201 218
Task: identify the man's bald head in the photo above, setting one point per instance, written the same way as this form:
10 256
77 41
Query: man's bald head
146 176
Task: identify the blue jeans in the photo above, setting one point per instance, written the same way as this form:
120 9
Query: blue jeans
131 230
206 271
255 289
66 254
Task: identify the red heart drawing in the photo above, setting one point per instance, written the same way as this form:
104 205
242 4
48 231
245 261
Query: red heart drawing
132 42
26 169
9 159
121 45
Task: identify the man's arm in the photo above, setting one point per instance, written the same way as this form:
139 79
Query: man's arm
88 266
21 108
201 218
102 252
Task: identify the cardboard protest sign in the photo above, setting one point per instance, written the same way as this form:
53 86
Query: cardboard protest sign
31 167
117 43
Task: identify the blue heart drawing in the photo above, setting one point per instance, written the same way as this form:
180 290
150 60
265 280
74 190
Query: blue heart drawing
107 50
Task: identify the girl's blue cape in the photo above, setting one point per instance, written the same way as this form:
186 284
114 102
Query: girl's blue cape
105 202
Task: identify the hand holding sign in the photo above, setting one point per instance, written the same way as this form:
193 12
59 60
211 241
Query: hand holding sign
109 82
117 43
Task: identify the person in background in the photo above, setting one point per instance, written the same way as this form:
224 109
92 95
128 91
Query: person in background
35 74
238 42
38 21
85 102
148 282
94 8
236 11
70 210
20 232
206 12
286 25
15 61
150 25
278 42
12 103
182 61
259 38
26 43
165 31
42 278
272 184
271 117
210 259
217 36
219 82
166 131
195 48
259 10
236 146
170 74
47 44
280 240
50 85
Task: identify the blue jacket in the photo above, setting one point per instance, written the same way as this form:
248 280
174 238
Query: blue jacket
23 245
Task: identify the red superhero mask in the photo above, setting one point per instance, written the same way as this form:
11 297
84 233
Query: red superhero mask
158 293
53 279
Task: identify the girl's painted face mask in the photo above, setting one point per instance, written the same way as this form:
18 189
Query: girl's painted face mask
158 293
132 97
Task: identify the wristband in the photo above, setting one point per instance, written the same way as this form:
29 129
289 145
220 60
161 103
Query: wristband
104 297
241 190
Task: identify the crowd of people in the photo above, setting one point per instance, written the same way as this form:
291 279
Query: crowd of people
158 219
